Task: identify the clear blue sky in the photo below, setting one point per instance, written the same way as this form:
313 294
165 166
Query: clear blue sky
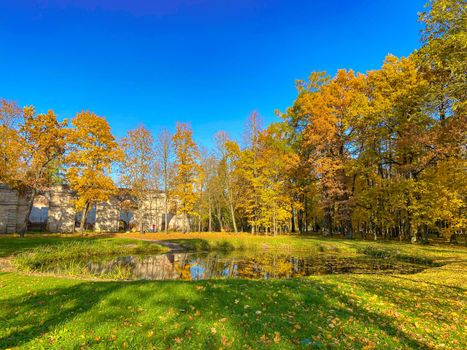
207 62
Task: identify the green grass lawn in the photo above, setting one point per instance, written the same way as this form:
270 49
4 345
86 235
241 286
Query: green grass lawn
424 310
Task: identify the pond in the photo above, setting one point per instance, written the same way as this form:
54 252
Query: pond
196 266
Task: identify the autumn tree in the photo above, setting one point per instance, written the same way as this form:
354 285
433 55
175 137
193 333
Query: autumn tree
443 62
228 155
210 188
276 160
328 111
164 155
138 170
188 172
11 147
32 151
93 151
385 147
249 172
443 57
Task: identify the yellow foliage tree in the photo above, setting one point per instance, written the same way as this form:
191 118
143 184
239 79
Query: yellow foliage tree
93 150
188 172
32 152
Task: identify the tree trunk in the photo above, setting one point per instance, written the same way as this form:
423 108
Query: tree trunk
300 221
141 224
453 238
274 221
84 215
327 224
188 220
292 220
232 212
166 209
348 229
28 213
219 218
210 218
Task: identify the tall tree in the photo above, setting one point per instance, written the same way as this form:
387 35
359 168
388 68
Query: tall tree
228 153
138 171
304 179
164 153
188 172
32 152
250 171
330 109
210 187
93 151
276 160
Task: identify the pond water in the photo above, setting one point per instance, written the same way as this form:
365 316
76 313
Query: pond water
196 266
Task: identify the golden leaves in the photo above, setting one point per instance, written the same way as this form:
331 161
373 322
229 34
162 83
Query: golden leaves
32 147
93 151
188 172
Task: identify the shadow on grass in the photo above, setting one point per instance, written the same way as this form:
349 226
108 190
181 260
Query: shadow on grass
246 312
34 314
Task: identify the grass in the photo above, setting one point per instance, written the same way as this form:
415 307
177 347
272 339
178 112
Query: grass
424 310
228 242
70 257
307 244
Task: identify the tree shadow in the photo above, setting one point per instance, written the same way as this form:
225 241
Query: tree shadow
37 313
253 311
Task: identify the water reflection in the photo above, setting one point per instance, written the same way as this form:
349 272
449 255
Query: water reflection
187 266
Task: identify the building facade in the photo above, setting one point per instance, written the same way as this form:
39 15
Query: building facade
54 211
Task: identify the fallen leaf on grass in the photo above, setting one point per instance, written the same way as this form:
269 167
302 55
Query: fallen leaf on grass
277 337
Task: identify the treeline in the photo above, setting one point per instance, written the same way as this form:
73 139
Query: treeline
383 154
380 155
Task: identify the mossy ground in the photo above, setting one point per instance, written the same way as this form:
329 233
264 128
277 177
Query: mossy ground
424 310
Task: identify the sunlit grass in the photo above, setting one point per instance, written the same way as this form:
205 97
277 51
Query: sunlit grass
424 310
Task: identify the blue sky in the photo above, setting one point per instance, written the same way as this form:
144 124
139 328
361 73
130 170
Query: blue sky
207 62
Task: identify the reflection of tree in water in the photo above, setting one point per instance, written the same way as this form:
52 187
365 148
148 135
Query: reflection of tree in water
187 266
